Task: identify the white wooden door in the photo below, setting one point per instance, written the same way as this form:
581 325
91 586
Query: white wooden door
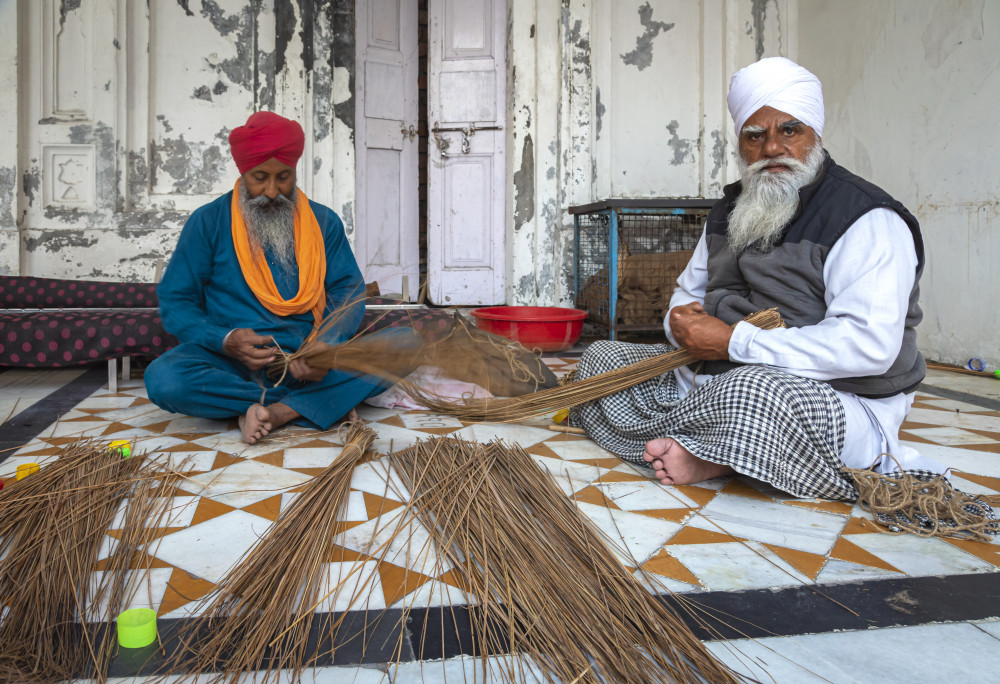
387 241
466 189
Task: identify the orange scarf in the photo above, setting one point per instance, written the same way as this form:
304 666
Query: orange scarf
310 254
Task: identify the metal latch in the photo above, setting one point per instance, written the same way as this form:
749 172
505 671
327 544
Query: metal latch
411 133
467 132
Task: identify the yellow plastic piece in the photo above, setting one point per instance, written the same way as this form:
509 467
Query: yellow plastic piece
122 446
26 469
560 416
136 627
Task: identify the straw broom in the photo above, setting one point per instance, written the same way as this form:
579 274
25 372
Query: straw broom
547 586
381 358
257 617
52 527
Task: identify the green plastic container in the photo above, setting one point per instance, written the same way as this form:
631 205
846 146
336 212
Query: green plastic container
137 628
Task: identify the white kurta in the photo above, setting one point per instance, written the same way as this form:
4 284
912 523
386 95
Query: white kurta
869 274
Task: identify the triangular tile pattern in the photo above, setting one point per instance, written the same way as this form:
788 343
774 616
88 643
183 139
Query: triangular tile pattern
215 449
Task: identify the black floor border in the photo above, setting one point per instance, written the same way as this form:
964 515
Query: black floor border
375 638
985 402
30 422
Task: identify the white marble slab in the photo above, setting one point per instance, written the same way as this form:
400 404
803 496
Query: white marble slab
969 460
397 538
21 388
144 589
351 586
209 549
243 483
511 433
951 435
771 523
417 421
633 538
954 419
838 572
468 669
645 496
897 655
310 457
920 557
734 566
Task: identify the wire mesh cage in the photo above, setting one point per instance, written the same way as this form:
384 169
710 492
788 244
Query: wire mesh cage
646 243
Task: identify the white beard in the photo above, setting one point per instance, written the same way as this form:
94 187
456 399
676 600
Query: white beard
271 224
769 199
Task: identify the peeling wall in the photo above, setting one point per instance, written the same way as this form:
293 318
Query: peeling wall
612 99
107 168
912 107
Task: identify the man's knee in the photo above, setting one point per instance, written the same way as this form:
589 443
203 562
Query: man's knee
164 383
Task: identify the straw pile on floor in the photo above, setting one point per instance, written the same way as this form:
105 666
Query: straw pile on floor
546 585
262 613
53 526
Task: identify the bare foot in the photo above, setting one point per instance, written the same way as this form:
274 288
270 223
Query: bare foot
260 420
351 417
674 465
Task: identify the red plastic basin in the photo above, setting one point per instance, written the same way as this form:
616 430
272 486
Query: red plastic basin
548 328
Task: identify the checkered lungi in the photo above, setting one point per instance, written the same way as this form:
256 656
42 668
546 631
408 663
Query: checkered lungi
782 429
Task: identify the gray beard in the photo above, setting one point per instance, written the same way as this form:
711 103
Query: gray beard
769 200
271 224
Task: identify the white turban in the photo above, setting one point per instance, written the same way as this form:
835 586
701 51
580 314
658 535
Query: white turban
779 83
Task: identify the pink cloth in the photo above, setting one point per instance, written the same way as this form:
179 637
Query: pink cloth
431 380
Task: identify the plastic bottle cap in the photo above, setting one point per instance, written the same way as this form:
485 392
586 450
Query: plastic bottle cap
996 373
136 627
122 446
26 469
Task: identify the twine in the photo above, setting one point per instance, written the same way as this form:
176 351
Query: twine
905 503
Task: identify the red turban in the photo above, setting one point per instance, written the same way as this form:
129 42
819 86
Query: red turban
266 135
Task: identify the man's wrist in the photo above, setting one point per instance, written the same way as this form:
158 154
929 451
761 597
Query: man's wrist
226 339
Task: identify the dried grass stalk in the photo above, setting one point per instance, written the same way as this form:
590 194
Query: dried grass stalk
261 614
57 622
572 394
547 586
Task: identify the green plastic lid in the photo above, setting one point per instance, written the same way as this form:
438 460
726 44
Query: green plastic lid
137 628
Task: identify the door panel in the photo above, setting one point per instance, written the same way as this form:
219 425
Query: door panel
387 203
466 194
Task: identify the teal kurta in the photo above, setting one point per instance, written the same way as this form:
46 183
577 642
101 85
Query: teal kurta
204 295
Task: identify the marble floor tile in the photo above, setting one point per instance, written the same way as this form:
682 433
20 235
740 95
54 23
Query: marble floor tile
317 675
310 457
243 483
919 557
735 566
378 478
509 432
467 669
633 538
888 656
770 523
569 476
978 462
435 594
954 419
646 495
991 627
391 438
179 514
143 590
951 436
351 586
21 388
954 405
184 461
578 450
209 549
397 538
418 421
839 571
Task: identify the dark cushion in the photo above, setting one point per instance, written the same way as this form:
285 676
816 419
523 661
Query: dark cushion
52 293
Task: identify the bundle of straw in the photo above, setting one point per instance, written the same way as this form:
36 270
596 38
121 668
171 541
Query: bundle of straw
547 585
575 393
262 612
52 527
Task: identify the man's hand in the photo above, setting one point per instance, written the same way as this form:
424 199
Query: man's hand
252 350
705 337
301 370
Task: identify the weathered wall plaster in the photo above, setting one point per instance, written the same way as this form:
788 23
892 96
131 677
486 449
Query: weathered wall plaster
183 73
911 105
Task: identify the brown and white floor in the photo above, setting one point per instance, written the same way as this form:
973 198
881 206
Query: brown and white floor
814 591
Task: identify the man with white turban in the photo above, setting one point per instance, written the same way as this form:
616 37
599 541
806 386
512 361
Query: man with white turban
840 259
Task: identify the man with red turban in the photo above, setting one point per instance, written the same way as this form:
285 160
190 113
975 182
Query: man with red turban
254 271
